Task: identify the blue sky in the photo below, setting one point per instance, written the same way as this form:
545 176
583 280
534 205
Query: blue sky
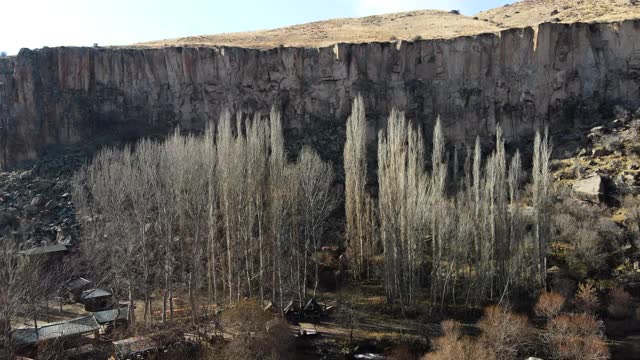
38 23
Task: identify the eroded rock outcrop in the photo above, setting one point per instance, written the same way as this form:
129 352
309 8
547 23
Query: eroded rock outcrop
590 189
520 78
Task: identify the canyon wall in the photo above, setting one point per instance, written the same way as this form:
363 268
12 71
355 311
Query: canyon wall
558 75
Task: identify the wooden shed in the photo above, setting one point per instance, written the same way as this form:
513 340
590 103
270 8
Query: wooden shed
97 300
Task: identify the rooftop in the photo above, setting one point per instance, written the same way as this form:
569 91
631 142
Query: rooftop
95 293
48 249
78 326
77 284
107 316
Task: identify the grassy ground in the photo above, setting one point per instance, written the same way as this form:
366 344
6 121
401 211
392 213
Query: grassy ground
425 24
54 314
533 12
429 24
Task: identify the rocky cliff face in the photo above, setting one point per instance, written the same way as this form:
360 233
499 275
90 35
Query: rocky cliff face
559 74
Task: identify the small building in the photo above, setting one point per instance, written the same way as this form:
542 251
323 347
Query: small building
74 288
95 300
267 305
49 257
312 310
291 311
58 249
110 319
69 331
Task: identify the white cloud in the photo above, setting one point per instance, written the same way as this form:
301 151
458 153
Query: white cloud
372 7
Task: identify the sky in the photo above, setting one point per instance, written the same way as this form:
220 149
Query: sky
39 23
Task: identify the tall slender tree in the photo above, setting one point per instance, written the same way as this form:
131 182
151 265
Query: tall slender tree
355 167
541 200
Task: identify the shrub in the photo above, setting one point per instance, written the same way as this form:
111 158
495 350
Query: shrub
611 234
587 253
576 337
461 349
50 350
451 328
549 304
453 345
578 225
586 299
402 352
612 143
278 338
563 285
632 205
505 332
575 324
620 303
257 336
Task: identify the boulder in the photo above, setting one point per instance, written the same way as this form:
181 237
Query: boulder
43 186
590 189
9 216
598 131
31 210
51 205
629 180
600 152
37 201
617 123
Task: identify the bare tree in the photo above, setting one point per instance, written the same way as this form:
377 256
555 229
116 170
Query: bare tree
277 196
143 176
402 198
355 166
318 201
212 213
436 196
541 200
13 292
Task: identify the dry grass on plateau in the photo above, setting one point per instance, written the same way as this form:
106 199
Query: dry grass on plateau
533 12
424 24
428 24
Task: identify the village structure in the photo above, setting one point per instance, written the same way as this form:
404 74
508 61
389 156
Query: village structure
93 314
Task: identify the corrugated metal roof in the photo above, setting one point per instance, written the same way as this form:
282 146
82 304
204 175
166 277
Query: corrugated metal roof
79 326
107 316
95 293
77 284
45 249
